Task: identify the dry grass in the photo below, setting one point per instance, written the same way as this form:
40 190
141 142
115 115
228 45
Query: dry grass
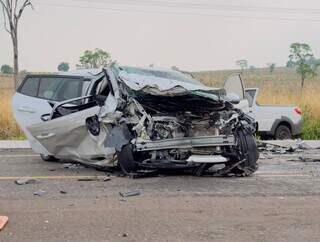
8 127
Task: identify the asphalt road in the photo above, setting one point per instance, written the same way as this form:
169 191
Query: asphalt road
281 202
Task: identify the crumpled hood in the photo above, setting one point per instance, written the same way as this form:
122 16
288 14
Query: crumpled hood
166 87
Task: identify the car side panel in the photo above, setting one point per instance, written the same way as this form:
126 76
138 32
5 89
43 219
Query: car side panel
269 117
27 111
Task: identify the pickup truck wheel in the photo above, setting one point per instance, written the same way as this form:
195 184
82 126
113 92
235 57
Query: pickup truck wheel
283 132
48 158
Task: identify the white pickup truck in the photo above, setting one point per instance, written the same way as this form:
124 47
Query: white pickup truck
279 122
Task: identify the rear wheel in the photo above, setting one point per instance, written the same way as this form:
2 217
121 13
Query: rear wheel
283 132
48 158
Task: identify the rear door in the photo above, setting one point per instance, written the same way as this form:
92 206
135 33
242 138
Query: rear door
28 108
36 97
69 136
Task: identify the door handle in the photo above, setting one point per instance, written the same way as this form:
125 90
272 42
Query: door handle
26 110
45 136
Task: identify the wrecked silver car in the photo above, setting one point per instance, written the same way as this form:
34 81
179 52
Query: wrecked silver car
139 119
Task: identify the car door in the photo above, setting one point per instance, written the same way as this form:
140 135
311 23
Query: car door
251 94
234 85
69 136
67 133
28 108
37 95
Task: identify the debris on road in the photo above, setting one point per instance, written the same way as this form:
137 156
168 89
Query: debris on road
289 145
95 178
25 181
309 159
39 193
72 166
63 192
309 145
3 221
130 193
292 150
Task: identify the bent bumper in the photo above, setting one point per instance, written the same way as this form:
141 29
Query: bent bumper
185 143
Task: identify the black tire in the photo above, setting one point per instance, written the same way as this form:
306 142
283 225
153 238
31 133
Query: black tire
249 153
48 158
126 160
283 132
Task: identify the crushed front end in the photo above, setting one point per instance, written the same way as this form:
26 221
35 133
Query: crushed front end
181 128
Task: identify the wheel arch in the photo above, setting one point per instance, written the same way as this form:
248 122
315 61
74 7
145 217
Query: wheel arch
282 121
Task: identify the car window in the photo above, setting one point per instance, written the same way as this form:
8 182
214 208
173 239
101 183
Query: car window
234 85
61 88
30 87
55 88
250 96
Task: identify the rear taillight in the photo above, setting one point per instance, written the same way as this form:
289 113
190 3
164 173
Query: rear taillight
298 111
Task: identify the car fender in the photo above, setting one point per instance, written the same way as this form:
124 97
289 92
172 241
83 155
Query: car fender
280 120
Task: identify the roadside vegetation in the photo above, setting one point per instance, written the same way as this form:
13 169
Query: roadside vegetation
8 127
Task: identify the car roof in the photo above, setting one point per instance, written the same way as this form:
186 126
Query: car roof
85 73
148 68
81 72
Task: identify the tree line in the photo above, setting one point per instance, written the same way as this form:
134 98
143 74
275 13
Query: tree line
301 58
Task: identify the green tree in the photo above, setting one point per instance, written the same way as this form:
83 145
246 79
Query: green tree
63 66
299 54
242 63
271 66
6 69
94 59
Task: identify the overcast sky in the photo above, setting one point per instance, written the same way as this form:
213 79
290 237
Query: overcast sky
201 35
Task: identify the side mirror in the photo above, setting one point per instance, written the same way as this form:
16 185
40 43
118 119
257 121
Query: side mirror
232 98
45 117
100 100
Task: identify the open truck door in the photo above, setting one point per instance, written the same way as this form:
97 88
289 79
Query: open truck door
234 85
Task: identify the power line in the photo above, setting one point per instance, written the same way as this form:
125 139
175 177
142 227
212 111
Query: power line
203 6
177 13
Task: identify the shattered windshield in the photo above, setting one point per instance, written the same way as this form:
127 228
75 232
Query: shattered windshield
172 75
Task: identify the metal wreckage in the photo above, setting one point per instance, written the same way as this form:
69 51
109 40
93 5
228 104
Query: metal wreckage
144 121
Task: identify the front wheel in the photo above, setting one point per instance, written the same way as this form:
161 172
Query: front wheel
126 160
248 153
48 158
